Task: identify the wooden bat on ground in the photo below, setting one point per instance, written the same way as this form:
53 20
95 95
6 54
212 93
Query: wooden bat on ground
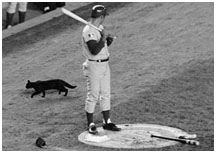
187 141
76 17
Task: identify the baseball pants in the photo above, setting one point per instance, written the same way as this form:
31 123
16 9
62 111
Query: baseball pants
12 7
97 75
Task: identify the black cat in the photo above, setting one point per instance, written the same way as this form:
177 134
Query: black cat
42 86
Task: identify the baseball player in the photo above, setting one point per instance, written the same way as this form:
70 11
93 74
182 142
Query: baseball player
96 69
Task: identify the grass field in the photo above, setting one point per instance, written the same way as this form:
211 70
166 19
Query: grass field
162 68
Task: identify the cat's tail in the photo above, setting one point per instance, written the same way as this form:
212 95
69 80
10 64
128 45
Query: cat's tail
68 85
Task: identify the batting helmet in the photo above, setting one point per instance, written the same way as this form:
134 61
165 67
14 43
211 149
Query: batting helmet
98 10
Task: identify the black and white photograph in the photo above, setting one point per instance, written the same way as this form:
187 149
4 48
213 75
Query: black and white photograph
108 76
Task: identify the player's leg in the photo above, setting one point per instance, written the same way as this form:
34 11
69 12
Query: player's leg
92 96
22 11
105 94
10 13
105 101
91 100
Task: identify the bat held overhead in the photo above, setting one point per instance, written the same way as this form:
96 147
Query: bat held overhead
76 17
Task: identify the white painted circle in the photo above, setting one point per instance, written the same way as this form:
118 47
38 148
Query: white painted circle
133 136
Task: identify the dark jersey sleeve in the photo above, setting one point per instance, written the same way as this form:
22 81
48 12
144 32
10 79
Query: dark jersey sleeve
94 46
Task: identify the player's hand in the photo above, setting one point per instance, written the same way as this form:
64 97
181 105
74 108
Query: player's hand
109 40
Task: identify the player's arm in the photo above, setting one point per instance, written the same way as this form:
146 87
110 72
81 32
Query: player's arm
95 47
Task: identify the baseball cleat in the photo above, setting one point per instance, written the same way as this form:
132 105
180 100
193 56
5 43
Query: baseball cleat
111 127
92 129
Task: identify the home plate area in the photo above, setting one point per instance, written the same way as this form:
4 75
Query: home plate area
137 136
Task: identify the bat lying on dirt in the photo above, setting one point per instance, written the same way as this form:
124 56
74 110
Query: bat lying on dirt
187 141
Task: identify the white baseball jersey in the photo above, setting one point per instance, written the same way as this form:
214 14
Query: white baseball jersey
90 33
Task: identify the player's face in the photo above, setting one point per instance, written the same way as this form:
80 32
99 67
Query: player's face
102 18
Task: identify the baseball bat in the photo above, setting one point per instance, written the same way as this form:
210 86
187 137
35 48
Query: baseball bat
192 142
76 17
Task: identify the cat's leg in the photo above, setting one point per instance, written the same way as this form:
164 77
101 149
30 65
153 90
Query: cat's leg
66 92
59 92
35 93
63 89
43 93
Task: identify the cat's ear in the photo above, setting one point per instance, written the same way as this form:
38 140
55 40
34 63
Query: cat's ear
28 81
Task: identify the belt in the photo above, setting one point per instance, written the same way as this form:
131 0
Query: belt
102 60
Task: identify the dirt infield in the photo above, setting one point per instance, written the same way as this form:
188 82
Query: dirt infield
162 68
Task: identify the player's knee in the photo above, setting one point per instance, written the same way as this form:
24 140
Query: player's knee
23 6
105 96
105 106
12 7
90 106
